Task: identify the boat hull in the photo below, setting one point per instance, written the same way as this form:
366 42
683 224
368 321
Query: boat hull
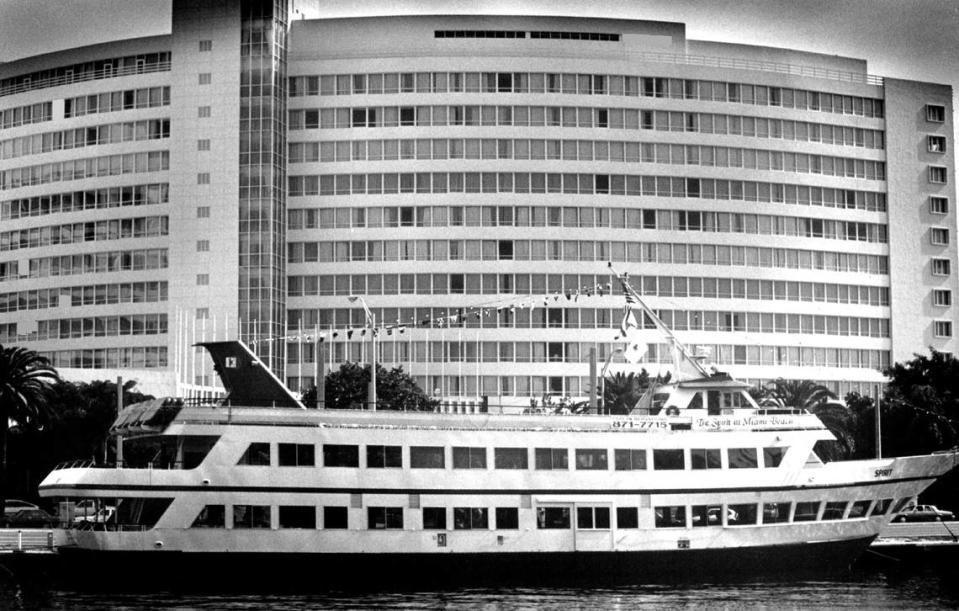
92 569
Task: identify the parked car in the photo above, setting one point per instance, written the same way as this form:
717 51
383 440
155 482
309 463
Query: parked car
102 516
30 518
15 505
923 513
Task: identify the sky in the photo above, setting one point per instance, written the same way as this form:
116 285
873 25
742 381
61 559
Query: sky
910 39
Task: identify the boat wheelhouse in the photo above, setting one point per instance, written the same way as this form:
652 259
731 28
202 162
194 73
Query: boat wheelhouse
697 480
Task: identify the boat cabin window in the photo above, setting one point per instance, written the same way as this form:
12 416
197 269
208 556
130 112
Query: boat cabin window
592 518
507 518
427 457
742 458
740 515
596 460
806 511
167 451
335 517
469 458
706 515
834 510
251 516
773 457
340 455
627 517
470 518
734 400
670 516
881 507
696 402
858 510
901 504
297 516
552 518
775 513
211 516
384 518
256 454
659 401
434 518
665 460
552 458
705 459
629 460
382 457
511 458
296 455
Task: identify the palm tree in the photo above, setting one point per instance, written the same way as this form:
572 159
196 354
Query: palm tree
25 382
623 390
799 394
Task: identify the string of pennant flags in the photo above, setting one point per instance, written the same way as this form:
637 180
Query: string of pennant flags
461 315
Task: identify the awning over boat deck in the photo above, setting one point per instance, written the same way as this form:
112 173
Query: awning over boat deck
147 417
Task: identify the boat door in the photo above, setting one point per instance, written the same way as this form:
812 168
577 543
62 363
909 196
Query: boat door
593 527
555 526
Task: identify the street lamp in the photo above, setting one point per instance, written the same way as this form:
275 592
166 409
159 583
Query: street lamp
602 378
371 323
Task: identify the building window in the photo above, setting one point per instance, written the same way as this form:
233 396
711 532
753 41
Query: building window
935 113
507 518
203 178
936 144
939 236
251 516
297 516
384 518
937 175
202 279
938 205
202 313
469 458
203 245
296 454
205 78
206 46
203 212
942 328
942 298
434 518
941 267
203 144
511 458
381 457
203 112
552 458
335 517
470 518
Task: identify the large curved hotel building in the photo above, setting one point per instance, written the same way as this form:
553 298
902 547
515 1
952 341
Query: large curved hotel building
787 213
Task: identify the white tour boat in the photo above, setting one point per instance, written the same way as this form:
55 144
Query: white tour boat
697 482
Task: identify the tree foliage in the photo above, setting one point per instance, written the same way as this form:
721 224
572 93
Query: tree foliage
346 388
799 394
25 382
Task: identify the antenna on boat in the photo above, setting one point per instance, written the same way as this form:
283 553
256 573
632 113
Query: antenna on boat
679 350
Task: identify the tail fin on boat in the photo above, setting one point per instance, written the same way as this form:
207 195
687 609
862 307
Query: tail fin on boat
247 380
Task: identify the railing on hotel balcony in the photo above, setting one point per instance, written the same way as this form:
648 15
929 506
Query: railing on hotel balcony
85 76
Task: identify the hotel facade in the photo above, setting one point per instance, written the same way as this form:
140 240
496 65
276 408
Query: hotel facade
469 177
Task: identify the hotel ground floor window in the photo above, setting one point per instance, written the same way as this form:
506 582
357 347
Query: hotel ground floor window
552 517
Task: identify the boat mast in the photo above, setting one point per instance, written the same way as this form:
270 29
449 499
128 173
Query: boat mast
680 351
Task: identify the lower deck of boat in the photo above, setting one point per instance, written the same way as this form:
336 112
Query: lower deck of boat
168 570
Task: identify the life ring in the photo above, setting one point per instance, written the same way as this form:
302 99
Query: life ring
672 410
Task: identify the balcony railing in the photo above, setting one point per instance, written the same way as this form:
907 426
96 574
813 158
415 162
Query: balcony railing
82 77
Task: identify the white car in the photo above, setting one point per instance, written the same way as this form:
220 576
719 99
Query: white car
86 511
15 505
